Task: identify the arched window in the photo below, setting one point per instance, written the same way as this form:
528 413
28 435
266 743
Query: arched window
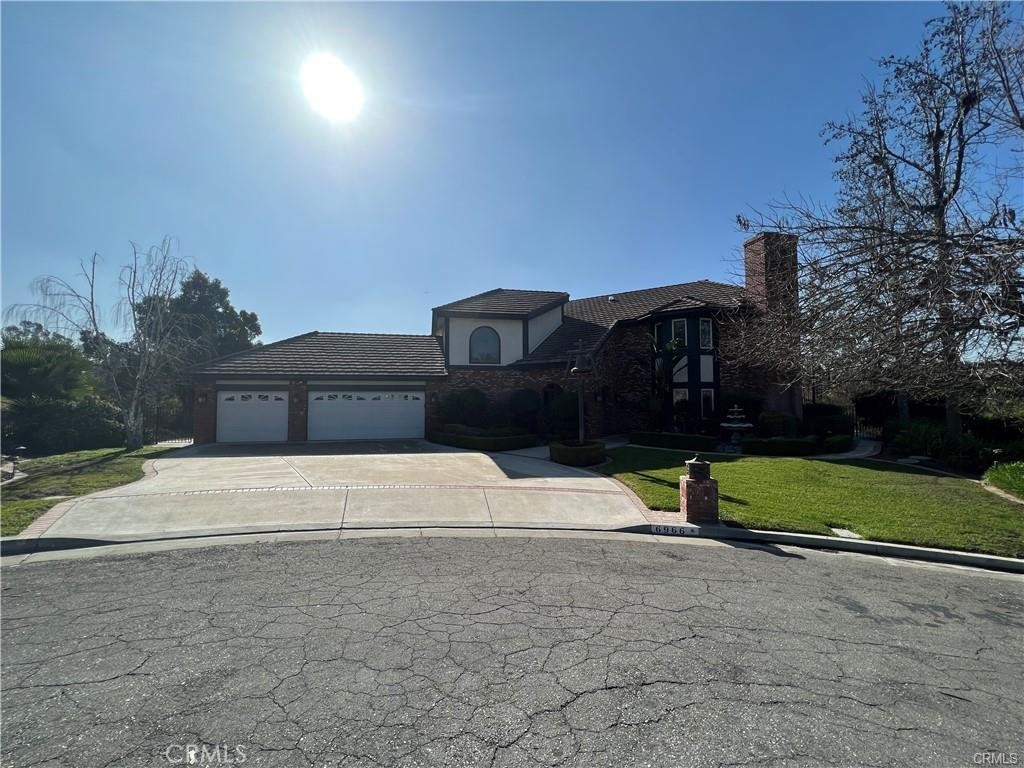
484 346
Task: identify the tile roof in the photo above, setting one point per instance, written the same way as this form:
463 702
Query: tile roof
336 354
507 301
589 320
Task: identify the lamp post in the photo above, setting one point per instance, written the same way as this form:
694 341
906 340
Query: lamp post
579 366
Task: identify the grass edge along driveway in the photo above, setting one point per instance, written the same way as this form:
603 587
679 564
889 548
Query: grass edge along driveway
66 475
879 501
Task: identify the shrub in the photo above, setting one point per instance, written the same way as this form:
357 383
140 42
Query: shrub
484 442
561 415
838 444
966 453
917 436
576 454
1013 451
465 406
48 426
779 446
777 424
675 440
524 408
826 419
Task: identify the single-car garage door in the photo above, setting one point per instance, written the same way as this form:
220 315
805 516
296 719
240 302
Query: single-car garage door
365 415
252 417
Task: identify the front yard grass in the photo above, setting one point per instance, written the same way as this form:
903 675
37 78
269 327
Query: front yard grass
879 501
67 474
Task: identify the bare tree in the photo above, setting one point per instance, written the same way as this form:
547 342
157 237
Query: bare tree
145 341
913 279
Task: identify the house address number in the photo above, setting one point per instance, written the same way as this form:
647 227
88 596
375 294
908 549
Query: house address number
676 530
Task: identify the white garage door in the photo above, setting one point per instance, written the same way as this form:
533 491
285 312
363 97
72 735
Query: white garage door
365 415
252 417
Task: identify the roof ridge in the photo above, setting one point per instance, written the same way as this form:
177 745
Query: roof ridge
371 333
467 298
251 350
604 296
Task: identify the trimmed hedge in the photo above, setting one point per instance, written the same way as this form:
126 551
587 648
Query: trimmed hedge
675 440
484 442
779 446
577 454
838 444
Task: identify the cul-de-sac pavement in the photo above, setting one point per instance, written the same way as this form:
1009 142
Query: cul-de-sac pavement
526 649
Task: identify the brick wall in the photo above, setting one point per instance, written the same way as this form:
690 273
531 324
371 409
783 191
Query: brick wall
499 383
204 412
298 404
626 371
617 389
770 269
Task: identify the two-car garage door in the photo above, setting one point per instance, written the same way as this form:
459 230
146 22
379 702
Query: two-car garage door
365 415
262 416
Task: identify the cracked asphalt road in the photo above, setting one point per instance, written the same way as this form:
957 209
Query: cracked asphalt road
509 652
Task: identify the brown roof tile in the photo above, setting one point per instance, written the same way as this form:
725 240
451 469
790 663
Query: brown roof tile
589 320
506 301
336 354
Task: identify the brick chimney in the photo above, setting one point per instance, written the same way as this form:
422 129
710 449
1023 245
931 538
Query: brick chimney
770 270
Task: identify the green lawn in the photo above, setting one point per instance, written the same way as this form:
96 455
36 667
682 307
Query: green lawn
1008 477
880 501
67 474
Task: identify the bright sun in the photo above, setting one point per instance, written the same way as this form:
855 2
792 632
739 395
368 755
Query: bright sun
331 88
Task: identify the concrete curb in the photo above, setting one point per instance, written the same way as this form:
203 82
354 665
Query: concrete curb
27 545
860 546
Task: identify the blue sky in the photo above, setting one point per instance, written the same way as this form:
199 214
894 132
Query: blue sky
589 148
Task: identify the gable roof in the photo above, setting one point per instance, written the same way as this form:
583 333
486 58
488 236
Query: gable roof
506 301
590 320
336 354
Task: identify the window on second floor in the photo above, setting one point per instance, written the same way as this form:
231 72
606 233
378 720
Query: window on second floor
679 331
705 333
484 346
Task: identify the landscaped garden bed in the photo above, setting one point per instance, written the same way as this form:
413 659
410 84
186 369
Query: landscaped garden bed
878 500
1008 477
575 453
52 479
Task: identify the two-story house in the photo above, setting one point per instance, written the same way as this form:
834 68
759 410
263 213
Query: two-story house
354 386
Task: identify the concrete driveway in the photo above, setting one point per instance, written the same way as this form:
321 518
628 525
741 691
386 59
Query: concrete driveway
216 489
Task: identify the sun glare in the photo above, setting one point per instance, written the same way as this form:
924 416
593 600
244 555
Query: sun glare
331 88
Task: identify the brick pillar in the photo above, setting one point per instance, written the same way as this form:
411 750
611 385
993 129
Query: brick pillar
298 402
204 413
698 494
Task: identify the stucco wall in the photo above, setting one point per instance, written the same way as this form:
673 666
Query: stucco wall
543 326
460 328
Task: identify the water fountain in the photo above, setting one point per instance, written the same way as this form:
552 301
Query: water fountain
736 422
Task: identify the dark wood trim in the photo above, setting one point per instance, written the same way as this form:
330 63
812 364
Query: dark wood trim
285 377
252 387
366 388
447 340
526 338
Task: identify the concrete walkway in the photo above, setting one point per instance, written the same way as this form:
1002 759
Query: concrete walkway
208 490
